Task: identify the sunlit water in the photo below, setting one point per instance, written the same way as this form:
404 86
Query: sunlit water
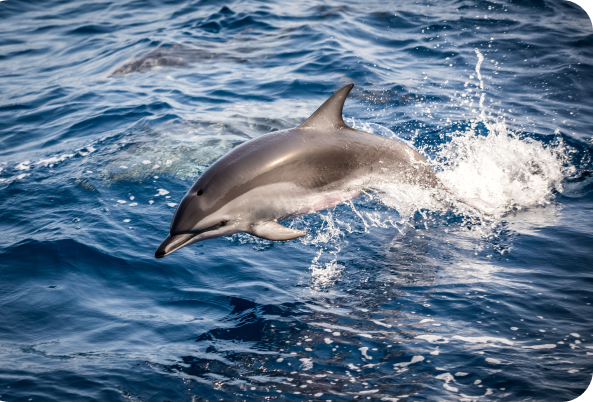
110 111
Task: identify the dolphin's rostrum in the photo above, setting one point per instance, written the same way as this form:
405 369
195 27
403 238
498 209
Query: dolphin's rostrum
286 174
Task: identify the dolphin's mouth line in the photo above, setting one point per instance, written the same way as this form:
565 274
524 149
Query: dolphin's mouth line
175 242
172 243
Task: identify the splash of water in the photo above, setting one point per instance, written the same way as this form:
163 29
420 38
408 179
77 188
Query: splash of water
494 173
328 239
487 177
500 172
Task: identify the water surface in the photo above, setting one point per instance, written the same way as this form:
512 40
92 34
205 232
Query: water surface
110 110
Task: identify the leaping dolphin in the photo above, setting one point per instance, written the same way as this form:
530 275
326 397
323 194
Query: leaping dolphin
286 174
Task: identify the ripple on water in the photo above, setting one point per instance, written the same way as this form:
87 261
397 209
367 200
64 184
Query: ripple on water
110 111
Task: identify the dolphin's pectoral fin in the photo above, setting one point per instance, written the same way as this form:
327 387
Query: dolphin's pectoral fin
274 231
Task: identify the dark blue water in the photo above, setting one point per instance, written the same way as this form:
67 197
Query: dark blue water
110 110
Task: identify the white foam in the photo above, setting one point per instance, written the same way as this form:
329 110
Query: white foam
415 359
23 165
500 172
482 339
480 60
407 199
307 364
363 352
432 338
325 273
546 346
161 191
370 391
353 367
447 377
493 361
53 160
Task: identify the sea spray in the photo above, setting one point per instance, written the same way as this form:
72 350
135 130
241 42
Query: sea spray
485 176
501 171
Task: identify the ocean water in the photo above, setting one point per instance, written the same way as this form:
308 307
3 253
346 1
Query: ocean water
109 110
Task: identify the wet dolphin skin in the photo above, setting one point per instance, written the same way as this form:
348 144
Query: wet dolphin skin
286 174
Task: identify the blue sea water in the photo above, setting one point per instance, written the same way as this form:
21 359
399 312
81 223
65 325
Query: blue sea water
109 110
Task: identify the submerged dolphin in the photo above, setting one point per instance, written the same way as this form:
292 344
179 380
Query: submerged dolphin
286 174
171 55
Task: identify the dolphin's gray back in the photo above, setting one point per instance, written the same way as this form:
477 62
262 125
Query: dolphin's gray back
320 157
312 159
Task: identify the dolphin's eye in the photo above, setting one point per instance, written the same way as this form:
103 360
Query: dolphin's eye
200 192
223 223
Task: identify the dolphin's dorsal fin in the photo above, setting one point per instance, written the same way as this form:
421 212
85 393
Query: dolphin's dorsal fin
329 115
274 231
